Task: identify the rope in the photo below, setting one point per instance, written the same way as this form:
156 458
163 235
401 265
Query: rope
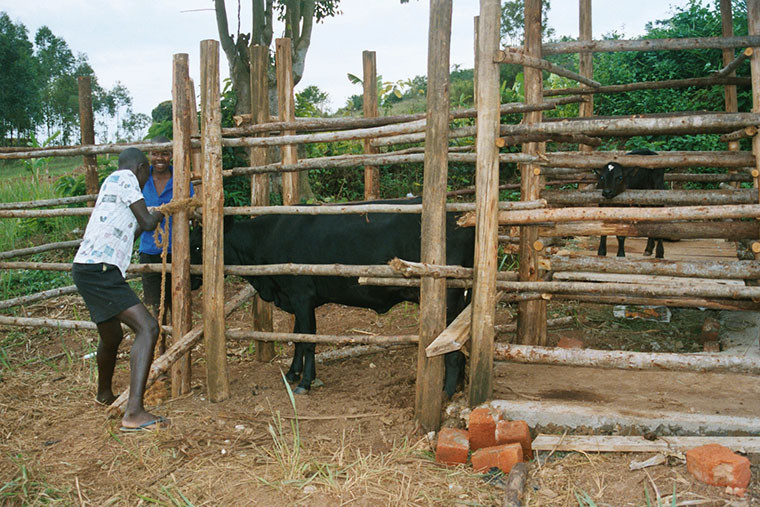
161 237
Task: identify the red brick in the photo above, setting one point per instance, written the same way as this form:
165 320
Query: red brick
719 466
453 446
569 343
510 432
483 427
503 456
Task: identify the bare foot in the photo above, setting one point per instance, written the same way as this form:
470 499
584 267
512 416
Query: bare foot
143 420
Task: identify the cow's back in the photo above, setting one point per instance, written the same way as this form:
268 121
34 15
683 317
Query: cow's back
352 239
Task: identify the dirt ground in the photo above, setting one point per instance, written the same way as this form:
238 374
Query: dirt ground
351 442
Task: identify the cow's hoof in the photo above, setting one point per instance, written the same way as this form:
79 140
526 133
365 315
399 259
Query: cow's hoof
292 377
647 253
300 390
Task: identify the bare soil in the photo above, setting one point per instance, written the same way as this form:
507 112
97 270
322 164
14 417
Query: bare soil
352 441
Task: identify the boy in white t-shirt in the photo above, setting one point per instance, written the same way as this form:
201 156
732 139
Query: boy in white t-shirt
99 270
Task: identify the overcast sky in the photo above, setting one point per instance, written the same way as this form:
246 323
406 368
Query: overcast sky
132 41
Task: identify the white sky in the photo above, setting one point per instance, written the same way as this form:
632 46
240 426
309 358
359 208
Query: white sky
133 41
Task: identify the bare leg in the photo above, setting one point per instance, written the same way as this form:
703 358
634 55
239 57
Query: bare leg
146 334
111 336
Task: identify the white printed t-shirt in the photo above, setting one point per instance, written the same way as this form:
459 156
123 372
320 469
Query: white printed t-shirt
110 233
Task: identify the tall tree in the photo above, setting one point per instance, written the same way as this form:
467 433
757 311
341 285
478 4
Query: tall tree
299 17
19 91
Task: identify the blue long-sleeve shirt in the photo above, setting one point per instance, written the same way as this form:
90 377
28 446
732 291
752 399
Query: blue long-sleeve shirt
147 244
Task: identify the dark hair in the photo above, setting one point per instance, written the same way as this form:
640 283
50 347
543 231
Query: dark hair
131 158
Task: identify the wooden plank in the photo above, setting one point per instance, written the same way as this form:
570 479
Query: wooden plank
430 370
453 337
213 227
605 443
487 183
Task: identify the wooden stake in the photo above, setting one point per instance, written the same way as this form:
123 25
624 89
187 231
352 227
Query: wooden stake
371 173
262 311
433 241
87 127
487 183
291 193
182 120
213 241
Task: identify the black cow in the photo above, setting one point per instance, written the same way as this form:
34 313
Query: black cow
614 179
354 239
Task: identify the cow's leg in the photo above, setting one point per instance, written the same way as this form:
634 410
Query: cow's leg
454 376
306 322
602 246
660 251
621 246
649 247
296 367
309 369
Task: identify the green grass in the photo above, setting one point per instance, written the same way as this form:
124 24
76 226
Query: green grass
22 181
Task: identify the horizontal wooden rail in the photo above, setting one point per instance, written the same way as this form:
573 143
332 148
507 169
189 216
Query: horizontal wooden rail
652 197
672 44
41 248
262 336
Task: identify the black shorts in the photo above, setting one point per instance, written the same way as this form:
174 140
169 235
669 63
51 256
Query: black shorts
152 282
104 290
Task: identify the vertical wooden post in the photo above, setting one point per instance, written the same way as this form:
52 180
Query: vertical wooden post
182 118
87 129
531 316
259 57
433 247
732 104
213 224
291 192
195 157
585 62
371 173
486 204
476 37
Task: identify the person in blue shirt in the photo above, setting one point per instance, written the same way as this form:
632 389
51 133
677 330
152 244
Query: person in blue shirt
157 191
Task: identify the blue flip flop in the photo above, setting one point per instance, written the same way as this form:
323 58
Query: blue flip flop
146 426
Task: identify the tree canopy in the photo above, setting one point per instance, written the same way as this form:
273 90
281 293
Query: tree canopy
39 93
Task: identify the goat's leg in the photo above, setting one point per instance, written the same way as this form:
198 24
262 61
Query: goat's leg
602 251
621 246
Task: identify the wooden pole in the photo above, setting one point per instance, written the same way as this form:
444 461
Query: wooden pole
733 230
677 302
557 198
753 21
523 217
87 128
487 183
371 173
286 105
585 62
718 269
531 315
433 241
729 91
711 80
182 121
213 241
517 58
684 43
262 311
620 359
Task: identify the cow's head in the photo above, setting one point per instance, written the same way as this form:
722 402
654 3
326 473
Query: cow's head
611 179
196 239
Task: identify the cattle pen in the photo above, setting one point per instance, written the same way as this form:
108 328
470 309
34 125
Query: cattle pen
725 214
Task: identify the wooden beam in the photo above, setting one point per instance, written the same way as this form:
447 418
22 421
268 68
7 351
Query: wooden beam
430 371
480 386
681 43
87 128
369 107
213 227
182 120
454 336
291 192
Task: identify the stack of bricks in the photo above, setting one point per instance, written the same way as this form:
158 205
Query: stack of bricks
494 442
